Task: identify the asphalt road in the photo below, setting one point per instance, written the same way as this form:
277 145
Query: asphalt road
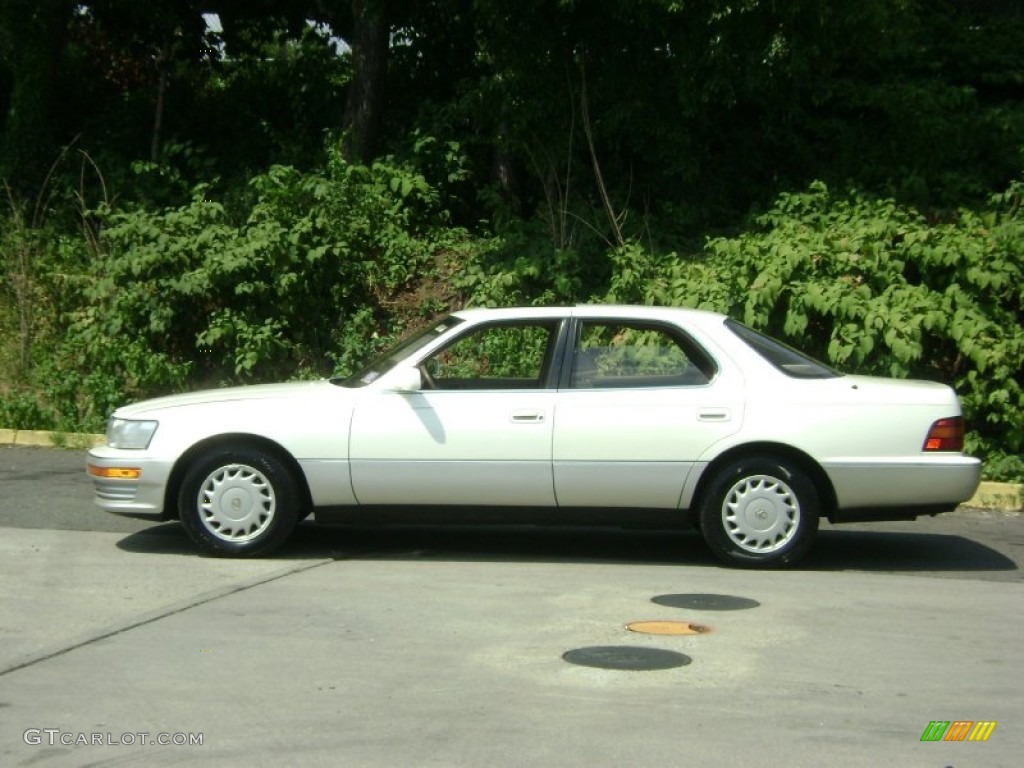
468 646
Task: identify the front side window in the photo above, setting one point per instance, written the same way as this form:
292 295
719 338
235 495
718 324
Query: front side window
615 354
505 356
385 362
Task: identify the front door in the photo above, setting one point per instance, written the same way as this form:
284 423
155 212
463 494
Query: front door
479 431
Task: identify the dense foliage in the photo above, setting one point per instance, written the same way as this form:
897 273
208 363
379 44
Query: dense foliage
191 204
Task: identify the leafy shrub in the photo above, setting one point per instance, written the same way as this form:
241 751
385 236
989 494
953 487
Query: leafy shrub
259 298
313 271
21 410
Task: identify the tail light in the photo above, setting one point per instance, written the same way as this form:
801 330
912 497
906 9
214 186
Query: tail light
946 435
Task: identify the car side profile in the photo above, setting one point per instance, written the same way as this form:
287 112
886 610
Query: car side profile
588 409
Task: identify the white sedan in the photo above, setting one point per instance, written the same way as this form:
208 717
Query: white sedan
551 411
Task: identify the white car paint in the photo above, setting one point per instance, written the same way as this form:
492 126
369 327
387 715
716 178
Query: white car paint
453 448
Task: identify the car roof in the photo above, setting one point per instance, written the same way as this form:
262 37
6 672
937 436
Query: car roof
589 310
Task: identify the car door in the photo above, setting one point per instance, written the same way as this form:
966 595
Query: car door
478 432
641 401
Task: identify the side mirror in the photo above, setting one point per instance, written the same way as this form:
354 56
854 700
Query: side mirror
406 378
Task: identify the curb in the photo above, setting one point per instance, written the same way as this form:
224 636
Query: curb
38 439
1004 497
1007 497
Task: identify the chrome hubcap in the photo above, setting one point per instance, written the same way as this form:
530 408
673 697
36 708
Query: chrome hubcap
761 514
236 502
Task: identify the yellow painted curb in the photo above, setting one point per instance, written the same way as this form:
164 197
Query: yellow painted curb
1005 496
40 439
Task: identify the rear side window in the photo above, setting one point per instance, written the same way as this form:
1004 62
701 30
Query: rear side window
788 360
622 354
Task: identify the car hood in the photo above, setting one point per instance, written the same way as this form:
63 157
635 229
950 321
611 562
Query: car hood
289 390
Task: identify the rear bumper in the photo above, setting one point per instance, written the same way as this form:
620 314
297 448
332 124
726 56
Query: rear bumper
901 489
882 514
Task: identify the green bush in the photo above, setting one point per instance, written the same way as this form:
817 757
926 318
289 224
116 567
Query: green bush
261 297
311 273
21 410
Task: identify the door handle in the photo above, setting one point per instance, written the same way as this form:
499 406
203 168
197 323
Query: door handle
713 414
527 417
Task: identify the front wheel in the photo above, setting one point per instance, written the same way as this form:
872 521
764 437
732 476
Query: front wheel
760 511
238 502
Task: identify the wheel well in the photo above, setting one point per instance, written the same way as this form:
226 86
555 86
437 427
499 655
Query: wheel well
239 439
817 475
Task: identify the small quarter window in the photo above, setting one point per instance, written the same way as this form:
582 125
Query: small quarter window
788 360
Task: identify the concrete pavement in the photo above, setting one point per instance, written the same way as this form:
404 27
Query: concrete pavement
454 657
446 646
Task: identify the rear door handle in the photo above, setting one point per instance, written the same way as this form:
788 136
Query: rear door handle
713 414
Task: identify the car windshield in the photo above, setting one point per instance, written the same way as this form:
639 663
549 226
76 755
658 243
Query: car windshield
788 360
389 359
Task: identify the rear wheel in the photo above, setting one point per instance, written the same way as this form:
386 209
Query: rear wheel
760 511
238 502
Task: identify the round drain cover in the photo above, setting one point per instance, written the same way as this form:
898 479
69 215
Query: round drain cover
668 628
626 657
697 602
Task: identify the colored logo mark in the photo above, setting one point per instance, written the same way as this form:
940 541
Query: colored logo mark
958 730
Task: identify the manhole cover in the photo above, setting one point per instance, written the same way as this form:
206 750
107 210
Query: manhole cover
698 602
668 628
626 657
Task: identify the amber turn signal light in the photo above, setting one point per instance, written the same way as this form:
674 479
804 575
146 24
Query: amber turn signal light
118 473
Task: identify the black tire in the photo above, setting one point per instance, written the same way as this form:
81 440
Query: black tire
760 512
238 502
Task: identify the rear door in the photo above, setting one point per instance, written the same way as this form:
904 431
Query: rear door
640 402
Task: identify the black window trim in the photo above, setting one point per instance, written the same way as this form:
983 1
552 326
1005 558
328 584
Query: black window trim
746 334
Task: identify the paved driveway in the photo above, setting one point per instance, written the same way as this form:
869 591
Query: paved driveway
448 646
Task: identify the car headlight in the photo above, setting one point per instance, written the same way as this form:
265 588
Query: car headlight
130 434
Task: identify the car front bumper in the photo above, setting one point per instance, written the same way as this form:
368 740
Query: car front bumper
128 482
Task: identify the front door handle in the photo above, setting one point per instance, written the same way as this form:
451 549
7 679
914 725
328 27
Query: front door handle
527 417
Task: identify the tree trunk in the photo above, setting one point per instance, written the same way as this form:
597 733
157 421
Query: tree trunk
163 64
370 42
35 33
